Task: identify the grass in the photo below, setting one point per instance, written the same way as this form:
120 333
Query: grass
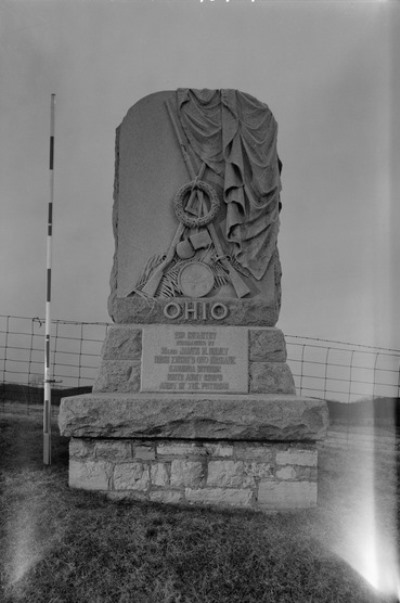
62 545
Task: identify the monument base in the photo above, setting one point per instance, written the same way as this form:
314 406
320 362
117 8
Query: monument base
243 451
132 358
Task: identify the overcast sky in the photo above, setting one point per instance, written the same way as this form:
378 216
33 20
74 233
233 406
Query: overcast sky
326 69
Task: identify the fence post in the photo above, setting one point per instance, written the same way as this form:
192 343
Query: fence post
375 366
398 383
326 372
80 354
301 368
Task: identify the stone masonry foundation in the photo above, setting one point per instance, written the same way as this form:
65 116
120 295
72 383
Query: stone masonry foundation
254 475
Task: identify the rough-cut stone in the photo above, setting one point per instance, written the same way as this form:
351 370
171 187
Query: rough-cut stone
245 452
256 469
144 453
187 473
267 345
81 449
235 497
122 343
131 476
287 472
293 456
90 475
159 474
218 450
112 451
118 376
181 449
166 496
287 495
126 495
251 417
306 473
199 470
228 474
271 378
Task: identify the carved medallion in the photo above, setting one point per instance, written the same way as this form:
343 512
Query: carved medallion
196 279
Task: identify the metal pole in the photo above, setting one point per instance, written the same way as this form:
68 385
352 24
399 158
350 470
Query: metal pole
47 374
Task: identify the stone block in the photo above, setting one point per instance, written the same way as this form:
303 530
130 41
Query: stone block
244 452
122 343
228 474
126 495
306 473
118 376
90 475
133 384
159 474
267 345
144 453
255 469
187 474
294 456
109 450
287 495
212 417
287 472
271 378
166 496
131 476
235 497
81 449
218 450
180 449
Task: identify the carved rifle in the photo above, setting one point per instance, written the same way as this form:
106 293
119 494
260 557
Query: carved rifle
150 288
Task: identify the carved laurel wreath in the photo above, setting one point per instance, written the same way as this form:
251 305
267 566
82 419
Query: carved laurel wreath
192 221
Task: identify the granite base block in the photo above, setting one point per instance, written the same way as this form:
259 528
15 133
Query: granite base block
210 417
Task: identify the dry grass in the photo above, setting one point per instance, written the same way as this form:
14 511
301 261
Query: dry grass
60 545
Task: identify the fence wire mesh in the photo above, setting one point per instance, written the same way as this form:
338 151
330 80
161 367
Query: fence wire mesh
321 368
75 351
341 371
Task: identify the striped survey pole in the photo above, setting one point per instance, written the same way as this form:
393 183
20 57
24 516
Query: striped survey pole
47 373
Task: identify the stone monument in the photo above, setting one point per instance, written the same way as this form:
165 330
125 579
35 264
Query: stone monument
194 401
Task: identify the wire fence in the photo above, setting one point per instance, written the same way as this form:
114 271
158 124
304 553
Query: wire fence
75 351
344 372
321 368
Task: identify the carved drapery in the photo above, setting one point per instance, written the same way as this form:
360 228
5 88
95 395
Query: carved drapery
235 135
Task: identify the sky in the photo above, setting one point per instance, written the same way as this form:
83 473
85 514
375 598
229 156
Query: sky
328 70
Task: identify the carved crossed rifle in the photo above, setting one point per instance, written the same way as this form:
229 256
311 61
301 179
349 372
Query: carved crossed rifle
150 288
152 284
